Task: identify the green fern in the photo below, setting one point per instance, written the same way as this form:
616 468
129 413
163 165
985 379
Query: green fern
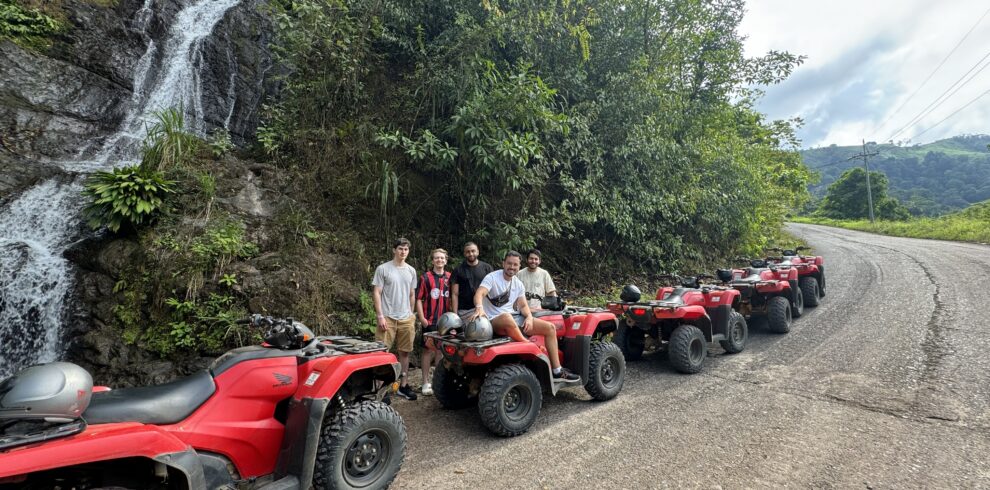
127 196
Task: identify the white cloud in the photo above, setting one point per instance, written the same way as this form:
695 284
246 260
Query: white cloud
865 59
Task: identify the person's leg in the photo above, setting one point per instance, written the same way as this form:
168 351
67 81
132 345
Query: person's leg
505 325
427 359
405 334
549 333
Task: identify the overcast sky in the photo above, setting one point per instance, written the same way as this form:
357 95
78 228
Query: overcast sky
865 58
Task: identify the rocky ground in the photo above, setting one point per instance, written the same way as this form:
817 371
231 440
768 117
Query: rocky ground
885 385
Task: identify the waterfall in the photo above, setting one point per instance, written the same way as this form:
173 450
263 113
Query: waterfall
37 226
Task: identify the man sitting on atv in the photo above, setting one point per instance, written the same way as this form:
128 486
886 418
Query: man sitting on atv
495 298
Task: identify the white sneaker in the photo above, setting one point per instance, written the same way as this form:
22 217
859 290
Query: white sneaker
427 389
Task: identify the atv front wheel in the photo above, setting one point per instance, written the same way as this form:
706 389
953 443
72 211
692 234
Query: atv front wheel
779 314
606 371
631 341
687 349
809 289
797 307
361 446
510 400
452 390
738 334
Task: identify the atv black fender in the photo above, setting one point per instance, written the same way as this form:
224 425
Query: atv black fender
719 322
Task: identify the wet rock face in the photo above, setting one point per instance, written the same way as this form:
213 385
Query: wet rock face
58 104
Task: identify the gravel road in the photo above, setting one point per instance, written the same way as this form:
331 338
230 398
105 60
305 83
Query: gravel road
886 384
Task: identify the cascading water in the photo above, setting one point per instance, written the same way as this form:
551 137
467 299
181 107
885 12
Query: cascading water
38 226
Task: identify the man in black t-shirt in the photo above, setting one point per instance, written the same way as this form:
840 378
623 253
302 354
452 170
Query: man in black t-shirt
465 281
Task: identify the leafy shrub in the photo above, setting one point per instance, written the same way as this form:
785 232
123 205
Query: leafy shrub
167 145
27 26
220 143
125 197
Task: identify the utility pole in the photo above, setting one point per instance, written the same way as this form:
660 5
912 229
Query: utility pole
866 163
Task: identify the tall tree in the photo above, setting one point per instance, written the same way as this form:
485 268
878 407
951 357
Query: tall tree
847 198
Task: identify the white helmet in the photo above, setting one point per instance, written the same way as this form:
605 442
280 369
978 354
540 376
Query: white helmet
57 391
478 329
448 321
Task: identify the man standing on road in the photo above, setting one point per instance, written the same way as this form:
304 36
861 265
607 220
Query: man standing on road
432 298
536 279
394 293
465 280
495 298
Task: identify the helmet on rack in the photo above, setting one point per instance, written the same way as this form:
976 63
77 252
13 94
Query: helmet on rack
630 293
449 321
478 329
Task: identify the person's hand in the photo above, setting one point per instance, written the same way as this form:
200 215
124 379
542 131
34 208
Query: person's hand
528 324
382 325
478 312
422 320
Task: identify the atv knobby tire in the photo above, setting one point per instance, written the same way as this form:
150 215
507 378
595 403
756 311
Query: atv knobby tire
606 371
452 390
687 349
510 400
779 314
737 334
797 306
631 341
809 289
361 446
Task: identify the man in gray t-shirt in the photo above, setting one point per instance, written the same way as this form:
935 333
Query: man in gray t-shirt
394 294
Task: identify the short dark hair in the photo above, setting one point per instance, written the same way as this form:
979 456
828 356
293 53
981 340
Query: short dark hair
534 252
468 244
400 242
513 253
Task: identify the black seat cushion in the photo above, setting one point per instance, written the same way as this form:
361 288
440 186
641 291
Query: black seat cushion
163 404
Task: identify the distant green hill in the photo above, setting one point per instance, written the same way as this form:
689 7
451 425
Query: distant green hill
930 179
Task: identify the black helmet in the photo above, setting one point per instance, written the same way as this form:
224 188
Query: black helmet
630 293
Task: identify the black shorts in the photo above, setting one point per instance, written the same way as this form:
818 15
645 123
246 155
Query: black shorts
427 328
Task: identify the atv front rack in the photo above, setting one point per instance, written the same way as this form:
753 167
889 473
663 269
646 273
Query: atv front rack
351 345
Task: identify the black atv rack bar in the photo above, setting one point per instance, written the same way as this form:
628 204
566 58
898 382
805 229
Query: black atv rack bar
47 432
352 345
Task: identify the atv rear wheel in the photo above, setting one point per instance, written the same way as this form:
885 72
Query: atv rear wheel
779 314
738 334
631 341
510 400
452 390
687 349
361 446
606 371
797 307
809 289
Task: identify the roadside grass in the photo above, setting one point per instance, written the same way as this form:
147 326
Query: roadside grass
965 226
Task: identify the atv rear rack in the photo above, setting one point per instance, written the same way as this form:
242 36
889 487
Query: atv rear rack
43 433
351 345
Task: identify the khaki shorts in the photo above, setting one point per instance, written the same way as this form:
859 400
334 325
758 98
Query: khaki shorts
400 333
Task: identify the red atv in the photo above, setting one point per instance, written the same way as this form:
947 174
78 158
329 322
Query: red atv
767 290
296 412
507 379
811 272
684 319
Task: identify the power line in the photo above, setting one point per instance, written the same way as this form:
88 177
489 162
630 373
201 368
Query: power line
942 98
930 75
978 97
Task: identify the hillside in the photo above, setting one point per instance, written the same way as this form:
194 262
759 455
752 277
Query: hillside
930 179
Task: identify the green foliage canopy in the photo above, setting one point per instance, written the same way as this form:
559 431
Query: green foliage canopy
609 134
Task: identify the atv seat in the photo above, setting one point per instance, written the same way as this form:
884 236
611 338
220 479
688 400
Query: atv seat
543 313
169 403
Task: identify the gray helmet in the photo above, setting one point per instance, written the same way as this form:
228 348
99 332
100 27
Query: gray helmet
630 294
478 329
59 391
448 321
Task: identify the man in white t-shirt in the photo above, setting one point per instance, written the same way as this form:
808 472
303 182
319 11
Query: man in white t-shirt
495 298
536 279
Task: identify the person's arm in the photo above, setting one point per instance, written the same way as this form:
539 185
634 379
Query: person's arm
419 309
548 285
412 292
454 291
479 309
377 295
523 306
